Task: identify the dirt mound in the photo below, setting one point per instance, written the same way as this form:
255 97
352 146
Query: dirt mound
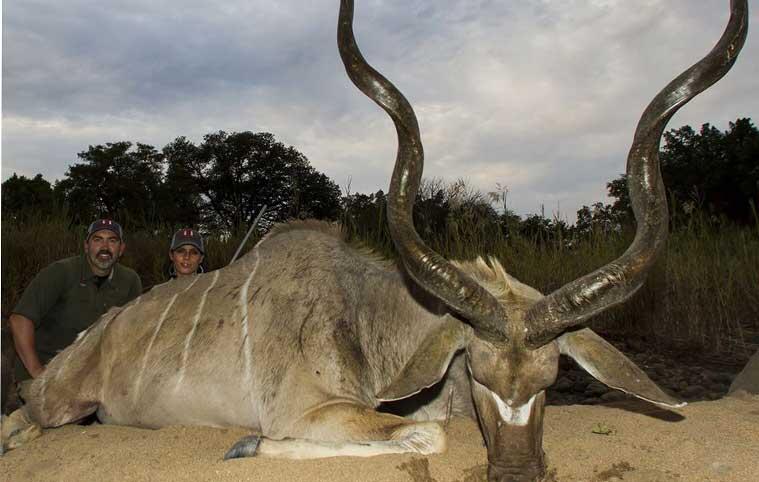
630 441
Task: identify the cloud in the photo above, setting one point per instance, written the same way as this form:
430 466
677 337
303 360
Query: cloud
541 96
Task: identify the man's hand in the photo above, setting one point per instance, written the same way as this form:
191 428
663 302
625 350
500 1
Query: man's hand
22 329
36 370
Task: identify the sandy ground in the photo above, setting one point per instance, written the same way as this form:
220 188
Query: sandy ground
705 441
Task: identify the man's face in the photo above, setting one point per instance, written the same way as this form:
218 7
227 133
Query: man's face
103 249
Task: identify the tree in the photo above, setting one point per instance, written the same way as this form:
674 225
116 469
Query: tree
710 171
114 180
235 175
314 195
24 197
621 209
364 217
540 229
181 196
599 218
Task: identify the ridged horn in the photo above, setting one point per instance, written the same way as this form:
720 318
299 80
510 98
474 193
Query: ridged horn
434 273
575 302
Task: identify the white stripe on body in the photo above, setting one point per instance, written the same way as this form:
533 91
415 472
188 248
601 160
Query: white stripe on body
108 320
43 389
245 333
191 284
128 307
107 372
61 365
188 339
138 383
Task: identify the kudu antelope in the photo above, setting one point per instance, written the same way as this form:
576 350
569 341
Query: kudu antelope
305 336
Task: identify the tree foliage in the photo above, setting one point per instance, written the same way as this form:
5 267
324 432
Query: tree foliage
114 180
600 219
24 197
712 172
180 196
231 177
449 217
220 184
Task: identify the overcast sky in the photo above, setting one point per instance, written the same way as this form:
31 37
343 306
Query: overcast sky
540 96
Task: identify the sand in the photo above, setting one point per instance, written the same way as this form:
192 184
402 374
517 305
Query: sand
705 441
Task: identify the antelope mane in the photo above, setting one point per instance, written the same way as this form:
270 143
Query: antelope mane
492 276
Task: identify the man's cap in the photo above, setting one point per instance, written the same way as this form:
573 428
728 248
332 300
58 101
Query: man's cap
187 236
108 224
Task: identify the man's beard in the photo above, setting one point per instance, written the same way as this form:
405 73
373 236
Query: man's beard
103 263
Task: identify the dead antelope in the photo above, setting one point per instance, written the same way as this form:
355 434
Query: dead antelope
305 336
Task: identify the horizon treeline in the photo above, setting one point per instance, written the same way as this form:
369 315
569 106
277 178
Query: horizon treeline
222 183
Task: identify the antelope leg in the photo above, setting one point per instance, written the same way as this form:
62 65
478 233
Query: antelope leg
17 430
245 447
346 429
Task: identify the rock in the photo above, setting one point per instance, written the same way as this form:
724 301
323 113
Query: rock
638 346
716 380
563 385
658 368
579 386
595 389
693 391
613 396
721 378
747 381
721 468
717 387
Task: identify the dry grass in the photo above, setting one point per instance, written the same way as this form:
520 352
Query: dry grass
704 293
28 247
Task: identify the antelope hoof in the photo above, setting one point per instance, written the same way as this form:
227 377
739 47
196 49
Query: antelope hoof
18 430
245 447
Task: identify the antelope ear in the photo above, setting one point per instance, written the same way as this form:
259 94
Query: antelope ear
609 366
430 361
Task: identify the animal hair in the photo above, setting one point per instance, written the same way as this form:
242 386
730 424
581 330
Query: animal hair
306 224
331 229
492 276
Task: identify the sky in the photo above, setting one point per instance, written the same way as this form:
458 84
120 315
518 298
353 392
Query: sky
539 96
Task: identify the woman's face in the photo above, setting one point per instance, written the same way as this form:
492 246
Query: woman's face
186 260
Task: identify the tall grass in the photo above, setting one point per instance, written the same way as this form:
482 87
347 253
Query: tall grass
706 294
29 246
703 294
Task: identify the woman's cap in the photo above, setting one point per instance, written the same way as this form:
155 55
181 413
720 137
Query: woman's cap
187 236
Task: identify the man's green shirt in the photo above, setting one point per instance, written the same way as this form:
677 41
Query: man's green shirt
64 299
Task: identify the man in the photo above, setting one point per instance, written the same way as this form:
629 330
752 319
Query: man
69 295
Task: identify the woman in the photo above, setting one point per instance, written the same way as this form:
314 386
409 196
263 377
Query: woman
186 253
